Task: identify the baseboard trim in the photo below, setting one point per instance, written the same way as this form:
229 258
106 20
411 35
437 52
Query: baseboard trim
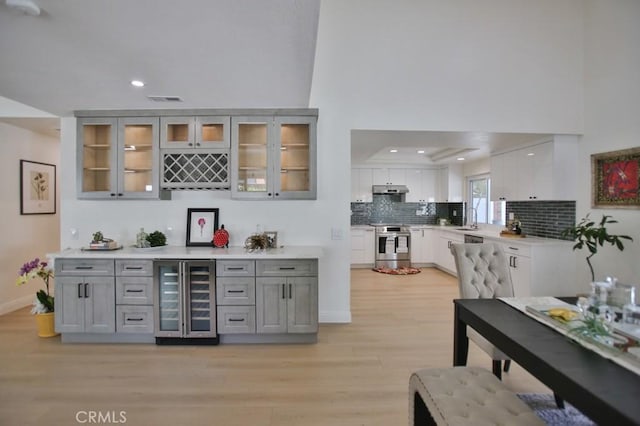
14 305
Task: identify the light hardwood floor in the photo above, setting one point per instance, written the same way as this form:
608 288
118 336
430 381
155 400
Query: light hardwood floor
357 374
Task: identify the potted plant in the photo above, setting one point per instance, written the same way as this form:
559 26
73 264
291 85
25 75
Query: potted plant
590 234
43 306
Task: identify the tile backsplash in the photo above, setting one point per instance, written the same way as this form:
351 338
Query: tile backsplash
544 218
390 208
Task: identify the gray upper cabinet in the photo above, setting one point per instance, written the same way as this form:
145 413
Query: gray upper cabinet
195 132
118 157
273 157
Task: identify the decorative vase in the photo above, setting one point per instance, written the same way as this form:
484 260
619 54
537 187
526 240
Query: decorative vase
46 324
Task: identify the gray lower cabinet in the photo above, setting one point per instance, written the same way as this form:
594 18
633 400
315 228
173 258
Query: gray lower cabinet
134 296
236 296
85 296
287 303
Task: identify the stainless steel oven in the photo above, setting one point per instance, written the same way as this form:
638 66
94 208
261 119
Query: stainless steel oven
393 246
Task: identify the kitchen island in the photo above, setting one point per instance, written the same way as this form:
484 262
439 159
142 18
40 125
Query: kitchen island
187 294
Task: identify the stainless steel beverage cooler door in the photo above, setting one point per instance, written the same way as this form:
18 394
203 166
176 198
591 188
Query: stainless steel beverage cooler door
200 303
168 299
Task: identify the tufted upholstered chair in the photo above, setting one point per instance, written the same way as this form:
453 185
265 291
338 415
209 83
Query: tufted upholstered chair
483 273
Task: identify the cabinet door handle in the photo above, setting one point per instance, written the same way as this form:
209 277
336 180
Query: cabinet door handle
86 290
515 265
236 319
134 291
269 194
112 194
277 193
283 295
290 291
79 290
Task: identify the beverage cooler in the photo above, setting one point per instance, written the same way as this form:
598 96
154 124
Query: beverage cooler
185 302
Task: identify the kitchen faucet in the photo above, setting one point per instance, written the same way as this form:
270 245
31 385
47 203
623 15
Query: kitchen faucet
474 211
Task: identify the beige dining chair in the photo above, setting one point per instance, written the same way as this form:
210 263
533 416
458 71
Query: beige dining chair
483 273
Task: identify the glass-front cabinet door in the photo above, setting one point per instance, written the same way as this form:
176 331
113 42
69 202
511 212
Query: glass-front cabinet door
195 132
118 157
273 157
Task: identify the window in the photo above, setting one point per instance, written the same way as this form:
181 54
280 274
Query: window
486 211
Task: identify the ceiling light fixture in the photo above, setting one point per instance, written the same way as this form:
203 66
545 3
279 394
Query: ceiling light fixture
421 151
446 153
460 158
393 150
24 6
137 83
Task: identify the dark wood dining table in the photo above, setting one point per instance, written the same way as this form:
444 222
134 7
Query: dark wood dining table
606 392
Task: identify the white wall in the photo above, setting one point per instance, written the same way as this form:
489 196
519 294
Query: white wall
612 122
24 237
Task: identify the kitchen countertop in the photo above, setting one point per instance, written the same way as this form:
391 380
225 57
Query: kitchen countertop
492 234
181 252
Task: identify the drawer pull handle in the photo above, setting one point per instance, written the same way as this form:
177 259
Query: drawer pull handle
134 291
235 291
236 268
135 319
133 268
236 319
514 248
83 268
287 268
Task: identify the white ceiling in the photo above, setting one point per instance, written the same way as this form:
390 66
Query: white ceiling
211 53
370 147
80 55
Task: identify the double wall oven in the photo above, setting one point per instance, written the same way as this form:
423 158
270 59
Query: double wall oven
393 245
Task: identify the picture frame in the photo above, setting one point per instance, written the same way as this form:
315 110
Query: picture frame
201 224
37 188
615 179
272 239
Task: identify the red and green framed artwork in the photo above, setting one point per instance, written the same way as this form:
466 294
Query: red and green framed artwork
616 179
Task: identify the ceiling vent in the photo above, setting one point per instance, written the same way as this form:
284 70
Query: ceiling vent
165 98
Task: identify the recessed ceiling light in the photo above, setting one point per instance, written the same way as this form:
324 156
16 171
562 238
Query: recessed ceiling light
530 154
137 83
460 158
393 150
421 151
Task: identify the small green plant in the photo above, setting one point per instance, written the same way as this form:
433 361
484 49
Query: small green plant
156 239
97 237
591 235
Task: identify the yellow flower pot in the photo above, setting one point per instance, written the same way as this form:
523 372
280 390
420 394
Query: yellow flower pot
46 324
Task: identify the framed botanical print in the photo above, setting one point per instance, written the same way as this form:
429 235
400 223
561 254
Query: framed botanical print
615 179
201 224
37 188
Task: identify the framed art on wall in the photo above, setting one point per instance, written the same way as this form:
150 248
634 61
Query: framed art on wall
615 179
37 188
201 224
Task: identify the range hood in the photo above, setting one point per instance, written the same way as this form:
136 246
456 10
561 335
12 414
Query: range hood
390 189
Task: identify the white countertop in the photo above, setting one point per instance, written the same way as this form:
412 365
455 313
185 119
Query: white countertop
181 252
492 234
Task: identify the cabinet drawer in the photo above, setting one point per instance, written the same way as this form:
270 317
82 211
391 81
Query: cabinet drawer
134 290
134 319
135 267
236 291
517 249
235 268
280 268
84 267
236 319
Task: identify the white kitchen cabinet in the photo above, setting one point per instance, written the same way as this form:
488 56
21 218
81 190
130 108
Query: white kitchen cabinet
520 268
273 157
118 158
450 183
443 256
422 184
361 185
362 247
546 171
389 176
422 245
